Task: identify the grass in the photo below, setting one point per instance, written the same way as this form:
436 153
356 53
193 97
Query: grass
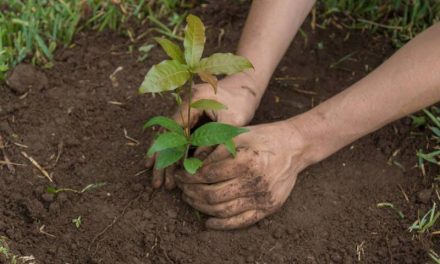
33 29
399 20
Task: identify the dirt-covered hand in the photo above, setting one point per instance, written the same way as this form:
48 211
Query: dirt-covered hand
238 92
240 191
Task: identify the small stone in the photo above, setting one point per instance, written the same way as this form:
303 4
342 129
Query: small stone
24 77
424 196
54 208
62 198
47 197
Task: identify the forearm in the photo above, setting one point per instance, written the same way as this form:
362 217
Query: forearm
268 32
407 82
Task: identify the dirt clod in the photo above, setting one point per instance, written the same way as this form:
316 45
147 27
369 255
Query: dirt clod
25 77
424 196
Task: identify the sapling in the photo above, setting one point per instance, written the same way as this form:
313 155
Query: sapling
176 141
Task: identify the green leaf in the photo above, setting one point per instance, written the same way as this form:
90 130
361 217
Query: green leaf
225 63
169 156
214 133
230 146
191 165
208 104
52 190
171 49
164 122
165 76
194 40
166 141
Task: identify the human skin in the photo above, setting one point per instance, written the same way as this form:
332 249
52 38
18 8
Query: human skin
269 30
240 191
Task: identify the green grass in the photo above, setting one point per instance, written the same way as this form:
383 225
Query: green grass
35 28
400 20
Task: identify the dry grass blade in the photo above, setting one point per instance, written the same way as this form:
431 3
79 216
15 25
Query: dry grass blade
38 166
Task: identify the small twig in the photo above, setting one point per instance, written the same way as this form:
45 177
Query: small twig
390 253
136 142
115 103
307 92
20 145
115 219
8 163
141 172
38 166
403 192
41 229
5 162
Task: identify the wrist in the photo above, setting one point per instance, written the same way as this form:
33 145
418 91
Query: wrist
317 137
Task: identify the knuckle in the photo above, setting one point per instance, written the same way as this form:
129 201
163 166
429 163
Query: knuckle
212 197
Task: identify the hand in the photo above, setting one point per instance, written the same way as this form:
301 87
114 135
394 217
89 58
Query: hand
238 192
238 92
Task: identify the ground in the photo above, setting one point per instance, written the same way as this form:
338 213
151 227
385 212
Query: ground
71 119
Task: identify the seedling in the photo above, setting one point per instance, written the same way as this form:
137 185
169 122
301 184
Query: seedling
77 222
390 205
171 75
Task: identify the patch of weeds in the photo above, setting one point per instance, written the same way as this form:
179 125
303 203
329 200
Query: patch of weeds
431 120
398 20
85 189
33 29
171 75
77 222
423 224
10 258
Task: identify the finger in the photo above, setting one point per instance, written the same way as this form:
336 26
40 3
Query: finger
149 161
203 152
170 183
223 210
214 173
221 192
239 221
158 178
220 153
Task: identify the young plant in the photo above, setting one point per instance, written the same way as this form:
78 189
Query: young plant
77 222
172 75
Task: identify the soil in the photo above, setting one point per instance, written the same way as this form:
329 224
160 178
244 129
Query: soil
73 125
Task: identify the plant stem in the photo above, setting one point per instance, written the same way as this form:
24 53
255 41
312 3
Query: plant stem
188 120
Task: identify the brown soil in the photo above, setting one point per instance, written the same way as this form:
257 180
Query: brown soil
74 124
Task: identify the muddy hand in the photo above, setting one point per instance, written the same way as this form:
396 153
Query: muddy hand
240 191
237 92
